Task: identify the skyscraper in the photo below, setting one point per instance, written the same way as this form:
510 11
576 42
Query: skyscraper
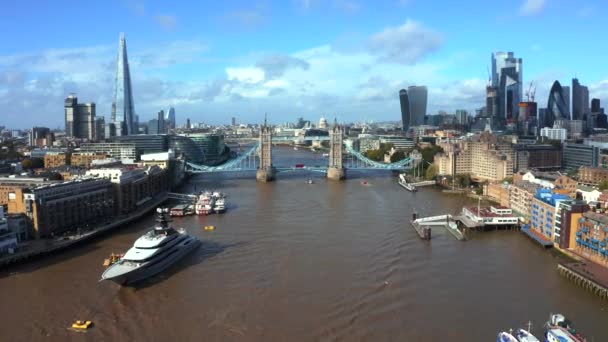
507 79
405 109
79 119
123 110
595 106
170 119
556 105
566 92
418 96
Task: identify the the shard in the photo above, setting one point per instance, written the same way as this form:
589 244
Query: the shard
123 109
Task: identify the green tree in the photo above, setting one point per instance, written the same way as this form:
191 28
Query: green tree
479 191
508 180
26 164
377 155
431 172
603 185
397 156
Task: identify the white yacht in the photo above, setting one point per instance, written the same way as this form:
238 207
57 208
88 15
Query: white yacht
153 252
220 205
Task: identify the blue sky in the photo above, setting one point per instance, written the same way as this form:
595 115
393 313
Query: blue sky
339 58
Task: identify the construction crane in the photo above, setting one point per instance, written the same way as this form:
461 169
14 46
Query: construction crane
530 93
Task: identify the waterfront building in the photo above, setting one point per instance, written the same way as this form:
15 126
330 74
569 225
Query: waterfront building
399 142
506 78
493 215
9 184
554 133
418 97
212 146
56 159
520 197
588 194
484 156
591 238
592 175
84 159
405 109
544 211
118 150
366 143
59 207
132 187
18 224
576 155
187 148
123 108
556 106
498 192
80 121
8 239
569 212
145 143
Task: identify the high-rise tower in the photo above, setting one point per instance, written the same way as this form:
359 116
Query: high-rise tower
123 109
170 119
507 79
405 109
418 96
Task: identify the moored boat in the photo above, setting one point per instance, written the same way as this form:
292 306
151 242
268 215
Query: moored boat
559 329
220 205
525 336
504 336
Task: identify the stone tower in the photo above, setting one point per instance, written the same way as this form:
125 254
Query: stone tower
266 172
335 171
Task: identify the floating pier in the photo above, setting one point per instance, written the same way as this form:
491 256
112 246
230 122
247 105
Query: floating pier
423 225
591 277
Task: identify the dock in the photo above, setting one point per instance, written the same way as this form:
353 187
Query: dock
588 275
536 237
450 223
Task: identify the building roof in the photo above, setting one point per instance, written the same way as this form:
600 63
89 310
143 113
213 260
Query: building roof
487 212
596 217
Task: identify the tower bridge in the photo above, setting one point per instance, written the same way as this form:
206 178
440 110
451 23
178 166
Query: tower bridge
259 158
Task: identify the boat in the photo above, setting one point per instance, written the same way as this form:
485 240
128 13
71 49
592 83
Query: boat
179 210
295 148
559 329
220 205
309 181
325 155
82 325
209 228
152 252
204 204
525 336
505 337
405 184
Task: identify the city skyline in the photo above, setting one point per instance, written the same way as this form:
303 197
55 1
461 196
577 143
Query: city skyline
236 60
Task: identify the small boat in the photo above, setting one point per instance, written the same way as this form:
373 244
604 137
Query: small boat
295 148
559 329
209 228
220 205
525 336
309 181
364 183
325 155
82 325
505 337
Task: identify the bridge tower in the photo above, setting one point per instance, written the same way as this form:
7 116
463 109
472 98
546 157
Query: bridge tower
266 172
335 171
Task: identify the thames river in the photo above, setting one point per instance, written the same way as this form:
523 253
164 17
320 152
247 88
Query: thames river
289 261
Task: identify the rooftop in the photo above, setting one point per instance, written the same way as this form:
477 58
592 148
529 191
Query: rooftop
487 212
596 217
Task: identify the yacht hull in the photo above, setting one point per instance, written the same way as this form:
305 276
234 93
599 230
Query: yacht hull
127 275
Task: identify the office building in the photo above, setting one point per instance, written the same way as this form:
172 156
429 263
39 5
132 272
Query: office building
123 108
170 119
80 121
117 150
580 100
491 101
537 157
41 137
462 117
418 97
576 155
212 146
556 106
85 159
566 92
405 109
595 106
233 122
554 133
507 80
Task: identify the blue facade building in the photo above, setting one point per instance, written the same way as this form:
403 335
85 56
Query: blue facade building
544 212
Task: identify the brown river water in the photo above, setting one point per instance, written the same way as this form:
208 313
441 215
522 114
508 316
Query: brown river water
288 261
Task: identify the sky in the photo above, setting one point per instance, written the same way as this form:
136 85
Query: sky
344 59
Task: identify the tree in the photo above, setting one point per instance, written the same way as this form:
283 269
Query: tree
431 172
397 156
377 155
603 185
26 164
508 180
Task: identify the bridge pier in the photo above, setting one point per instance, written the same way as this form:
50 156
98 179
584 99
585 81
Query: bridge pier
266 175
335 171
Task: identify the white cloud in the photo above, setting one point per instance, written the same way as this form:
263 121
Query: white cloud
168 22
532 7
405 44
246 74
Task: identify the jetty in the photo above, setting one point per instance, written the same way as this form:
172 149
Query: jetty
451 223
588 275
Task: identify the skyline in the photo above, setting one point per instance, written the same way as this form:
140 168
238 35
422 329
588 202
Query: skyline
344 59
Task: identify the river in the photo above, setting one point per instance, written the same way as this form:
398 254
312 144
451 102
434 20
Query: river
288 261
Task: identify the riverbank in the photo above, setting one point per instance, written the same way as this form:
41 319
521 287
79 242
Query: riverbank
38 248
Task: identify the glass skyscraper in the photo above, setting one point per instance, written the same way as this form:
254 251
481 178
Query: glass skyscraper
507 79
123 111
556 106
405 109
418 96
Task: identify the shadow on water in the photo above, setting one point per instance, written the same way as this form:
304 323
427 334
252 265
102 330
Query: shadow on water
207 250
